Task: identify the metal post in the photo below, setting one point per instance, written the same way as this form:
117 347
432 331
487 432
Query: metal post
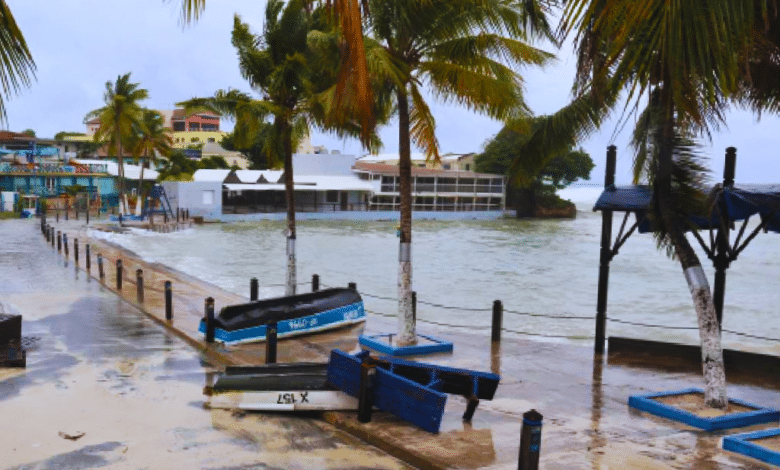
530 441
139 284
498 316
605 256
59 241
65 244
58 214
88 260
165 216
168 301
315 282
178 211
76 250
101 273
271 329
210 320
414 307
366 392
87 211
119 274
352 286
721 260
51 236
253 295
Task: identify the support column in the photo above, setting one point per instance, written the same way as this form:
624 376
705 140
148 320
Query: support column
605 256
722 261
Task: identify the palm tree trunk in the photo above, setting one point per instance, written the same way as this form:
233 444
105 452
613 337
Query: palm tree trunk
289 192
709 330
139 200
120 177
406 326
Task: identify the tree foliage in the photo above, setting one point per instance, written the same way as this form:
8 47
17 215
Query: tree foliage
177 167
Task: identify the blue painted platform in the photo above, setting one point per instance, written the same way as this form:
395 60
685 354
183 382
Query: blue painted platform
383 344
741 444
759 415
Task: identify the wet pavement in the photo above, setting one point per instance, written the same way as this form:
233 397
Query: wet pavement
587 423
106 387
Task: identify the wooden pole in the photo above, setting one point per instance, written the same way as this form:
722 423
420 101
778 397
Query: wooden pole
168 301
498 314
722 261
605 256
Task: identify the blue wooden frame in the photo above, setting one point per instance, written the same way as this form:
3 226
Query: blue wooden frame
740 443
760 414
374 342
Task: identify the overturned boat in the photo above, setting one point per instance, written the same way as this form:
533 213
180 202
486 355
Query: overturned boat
278 387
293 315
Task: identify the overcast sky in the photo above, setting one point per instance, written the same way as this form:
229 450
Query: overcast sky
78 45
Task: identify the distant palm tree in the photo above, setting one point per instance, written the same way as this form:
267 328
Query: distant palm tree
153 139
462 50
118 117
285 64
17 67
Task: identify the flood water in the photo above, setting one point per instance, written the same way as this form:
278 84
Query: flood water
542 267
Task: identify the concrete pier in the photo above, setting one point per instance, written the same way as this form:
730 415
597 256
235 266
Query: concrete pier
582 396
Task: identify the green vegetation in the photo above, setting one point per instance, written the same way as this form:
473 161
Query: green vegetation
254 151
17 66
180 168
528 191
62 134
150 139
28 132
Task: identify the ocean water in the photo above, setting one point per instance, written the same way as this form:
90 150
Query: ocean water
541 267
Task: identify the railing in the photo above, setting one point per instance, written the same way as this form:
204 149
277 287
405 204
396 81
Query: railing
53 168
228 208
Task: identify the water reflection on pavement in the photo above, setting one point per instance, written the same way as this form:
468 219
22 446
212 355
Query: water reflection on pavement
106 387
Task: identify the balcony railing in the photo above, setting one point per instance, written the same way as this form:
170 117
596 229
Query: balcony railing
54 168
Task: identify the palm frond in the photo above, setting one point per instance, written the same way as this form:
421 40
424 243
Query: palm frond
423 126
17 67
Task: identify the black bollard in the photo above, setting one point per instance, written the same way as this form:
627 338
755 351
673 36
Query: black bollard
76 250
119 274
352 286
253 288
101 273
315 282
51 236
87 258
168 301
530 441
139 284
366 392
498 314
188 214
67 212
57 217
178 212
165 216
271 328
414 307
87 212
210 320
59 241
65 243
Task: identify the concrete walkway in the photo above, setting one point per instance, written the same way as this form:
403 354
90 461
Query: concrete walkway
587 423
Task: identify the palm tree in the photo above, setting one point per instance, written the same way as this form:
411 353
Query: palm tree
118 117
353 75
287 66
460 49
153 139
17 67
679 64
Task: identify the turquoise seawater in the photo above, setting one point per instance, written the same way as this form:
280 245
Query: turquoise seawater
547 267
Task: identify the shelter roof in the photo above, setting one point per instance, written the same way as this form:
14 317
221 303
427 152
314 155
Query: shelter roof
741 201
310 183
210 175
132 172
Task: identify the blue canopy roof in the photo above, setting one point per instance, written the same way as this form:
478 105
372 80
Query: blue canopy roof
741 201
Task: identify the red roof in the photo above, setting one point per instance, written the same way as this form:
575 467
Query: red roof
386 169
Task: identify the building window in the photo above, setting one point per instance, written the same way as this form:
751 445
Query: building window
447 166
178 126
332 196
51 183
208 197
468 166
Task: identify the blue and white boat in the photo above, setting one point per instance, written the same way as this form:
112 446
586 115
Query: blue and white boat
294 315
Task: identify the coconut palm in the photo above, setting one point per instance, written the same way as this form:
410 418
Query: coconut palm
353 76
287 66
461 49
17 67
679 64
119 116
152 139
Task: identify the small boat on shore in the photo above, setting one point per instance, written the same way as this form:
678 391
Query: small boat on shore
278 387
294 315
